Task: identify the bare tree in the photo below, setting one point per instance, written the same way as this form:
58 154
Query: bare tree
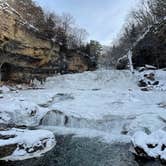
67 21
79 36
158 9
59 28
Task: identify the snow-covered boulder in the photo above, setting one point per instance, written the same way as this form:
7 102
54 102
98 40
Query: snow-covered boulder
141 69
17 144
4 89
151 146
149 80
150 67
20 112
146 67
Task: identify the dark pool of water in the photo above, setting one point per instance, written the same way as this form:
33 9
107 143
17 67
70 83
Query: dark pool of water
71 151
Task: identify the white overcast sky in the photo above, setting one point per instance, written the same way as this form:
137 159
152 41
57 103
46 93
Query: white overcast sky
103 19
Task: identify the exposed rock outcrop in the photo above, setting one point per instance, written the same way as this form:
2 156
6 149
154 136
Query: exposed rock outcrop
78 61
26 54
151 47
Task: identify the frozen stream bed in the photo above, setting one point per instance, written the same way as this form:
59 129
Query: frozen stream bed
104 104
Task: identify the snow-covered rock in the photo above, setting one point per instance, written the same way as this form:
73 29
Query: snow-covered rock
17 144
149 80
20 112
4 89
150 146
150 67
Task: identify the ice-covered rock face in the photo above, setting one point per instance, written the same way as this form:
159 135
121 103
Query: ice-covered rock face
17 144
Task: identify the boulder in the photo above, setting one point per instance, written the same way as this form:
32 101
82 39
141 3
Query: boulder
142 83
156 83
150 67
141 69
148 81
150 76
18 144
146 89
150 146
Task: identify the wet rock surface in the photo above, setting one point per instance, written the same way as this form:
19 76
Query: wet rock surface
7 150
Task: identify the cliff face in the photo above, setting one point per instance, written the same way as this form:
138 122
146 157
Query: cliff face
77 61
151 48
26 54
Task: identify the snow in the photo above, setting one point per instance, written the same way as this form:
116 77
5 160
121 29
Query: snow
150 67
4 89
159 76
157 139
20 112
29 140
108 102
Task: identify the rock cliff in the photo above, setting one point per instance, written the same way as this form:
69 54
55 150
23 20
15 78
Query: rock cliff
26 54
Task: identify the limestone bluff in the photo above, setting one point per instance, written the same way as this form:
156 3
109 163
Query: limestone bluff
26 54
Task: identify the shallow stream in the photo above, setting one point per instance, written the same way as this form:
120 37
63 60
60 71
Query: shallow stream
72 151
